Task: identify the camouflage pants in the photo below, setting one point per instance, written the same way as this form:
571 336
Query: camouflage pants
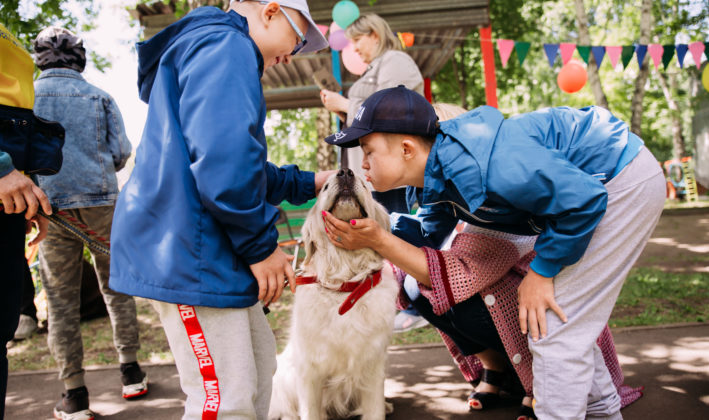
60 256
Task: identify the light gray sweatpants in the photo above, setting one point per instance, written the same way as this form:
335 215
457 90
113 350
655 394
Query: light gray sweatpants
226 358
571 380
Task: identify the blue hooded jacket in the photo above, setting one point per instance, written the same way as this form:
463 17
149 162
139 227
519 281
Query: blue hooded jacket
199 206
540 173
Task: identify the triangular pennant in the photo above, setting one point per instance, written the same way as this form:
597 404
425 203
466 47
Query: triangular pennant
655 51
567 50
598 53
627 55
681 52
613 54
696 48
584 52
668 51
640 51
551 50
504 47
522 49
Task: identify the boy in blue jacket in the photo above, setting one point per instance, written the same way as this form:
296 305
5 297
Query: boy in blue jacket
194 227
578 179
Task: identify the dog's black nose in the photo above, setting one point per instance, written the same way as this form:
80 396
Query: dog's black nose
345 173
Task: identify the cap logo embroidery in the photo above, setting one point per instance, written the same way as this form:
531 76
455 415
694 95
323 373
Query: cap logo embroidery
339 135
359 113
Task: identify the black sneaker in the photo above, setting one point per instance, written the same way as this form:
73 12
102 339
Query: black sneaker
135 381
74 405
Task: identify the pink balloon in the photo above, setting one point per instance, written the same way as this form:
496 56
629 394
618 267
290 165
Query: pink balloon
334 27
352 61
338 41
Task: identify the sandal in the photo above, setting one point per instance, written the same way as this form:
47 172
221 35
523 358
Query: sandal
485 400
526 413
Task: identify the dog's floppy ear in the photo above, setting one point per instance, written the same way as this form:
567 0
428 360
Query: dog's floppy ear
309 234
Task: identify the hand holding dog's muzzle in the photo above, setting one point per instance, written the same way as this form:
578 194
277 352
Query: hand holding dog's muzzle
355 234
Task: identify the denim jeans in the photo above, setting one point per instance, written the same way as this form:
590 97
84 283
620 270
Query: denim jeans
468 323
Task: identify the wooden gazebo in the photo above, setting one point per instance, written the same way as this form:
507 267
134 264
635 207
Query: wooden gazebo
438 26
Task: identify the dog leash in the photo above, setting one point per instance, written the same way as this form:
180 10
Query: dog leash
356 289
74 226
87 236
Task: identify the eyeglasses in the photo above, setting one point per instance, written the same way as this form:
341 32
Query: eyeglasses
299 46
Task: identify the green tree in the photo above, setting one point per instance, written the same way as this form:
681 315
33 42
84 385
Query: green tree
533 85
26 20
291 137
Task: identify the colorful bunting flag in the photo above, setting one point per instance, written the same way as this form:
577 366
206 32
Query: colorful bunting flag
658 53
681 52
567 50
614 54
584 51
655 51
697 48
551 50
522 49
598 53
627 55
504 47
640 51
668 51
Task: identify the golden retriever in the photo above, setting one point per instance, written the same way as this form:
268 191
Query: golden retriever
334 365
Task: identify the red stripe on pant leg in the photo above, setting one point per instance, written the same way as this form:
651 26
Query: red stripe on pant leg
206 364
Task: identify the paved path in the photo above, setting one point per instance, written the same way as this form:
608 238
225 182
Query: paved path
422 382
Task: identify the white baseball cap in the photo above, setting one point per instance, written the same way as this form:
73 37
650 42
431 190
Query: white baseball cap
315 39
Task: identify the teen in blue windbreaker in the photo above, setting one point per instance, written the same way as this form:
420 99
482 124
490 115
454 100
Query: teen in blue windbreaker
577 178
195 225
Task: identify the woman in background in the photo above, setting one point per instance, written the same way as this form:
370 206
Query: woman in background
388 66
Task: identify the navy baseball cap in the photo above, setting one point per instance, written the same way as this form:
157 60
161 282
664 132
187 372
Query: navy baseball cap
394 110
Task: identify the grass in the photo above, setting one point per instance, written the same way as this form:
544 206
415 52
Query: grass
649 297
654 297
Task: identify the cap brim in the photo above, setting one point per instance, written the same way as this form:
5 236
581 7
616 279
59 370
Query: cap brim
316 40
349 137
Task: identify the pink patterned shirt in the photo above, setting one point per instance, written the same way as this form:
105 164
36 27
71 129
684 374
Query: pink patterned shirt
493 264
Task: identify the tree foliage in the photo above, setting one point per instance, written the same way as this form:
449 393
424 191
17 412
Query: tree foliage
25 19
611 22
292 137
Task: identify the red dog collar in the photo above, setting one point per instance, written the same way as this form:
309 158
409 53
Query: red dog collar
356 289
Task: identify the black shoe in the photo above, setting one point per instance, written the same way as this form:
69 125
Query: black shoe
135 381
74 405
526 413
484 400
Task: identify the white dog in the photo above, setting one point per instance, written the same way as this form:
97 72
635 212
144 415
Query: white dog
334 365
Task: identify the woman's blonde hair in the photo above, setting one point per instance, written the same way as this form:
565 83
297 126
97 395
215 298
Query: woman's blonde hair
368 23
447 111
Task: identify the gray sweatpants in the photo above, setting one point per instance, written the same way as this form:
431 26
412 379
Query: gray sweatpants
60 264
226 358
571 380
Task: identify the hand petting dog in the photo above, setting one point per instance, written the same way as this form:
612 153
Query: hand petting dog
355 234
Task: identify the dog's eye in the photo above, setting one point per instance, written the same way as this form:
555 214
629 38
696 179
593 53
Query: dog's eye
325 187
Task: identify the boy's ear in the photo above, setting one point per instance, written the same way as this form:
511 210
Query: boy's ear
269 11
408 147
